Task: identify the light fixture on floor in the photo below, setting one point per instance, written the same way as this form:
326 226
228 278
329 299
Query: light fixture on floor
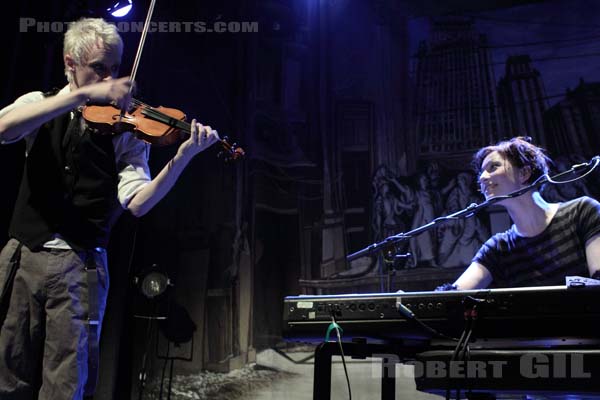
153 283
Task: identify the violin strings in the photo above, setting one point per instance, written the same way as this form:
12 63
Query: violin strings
167 119
162 117
139 103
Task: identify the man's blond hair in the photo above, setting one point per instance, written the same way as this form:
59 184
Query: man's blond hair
86 34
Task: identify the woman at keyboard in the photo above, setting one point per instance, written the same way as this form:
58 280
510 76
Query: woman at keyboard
547 241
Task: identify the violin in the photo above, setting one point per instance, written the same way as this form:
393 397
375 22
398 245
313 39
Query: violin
160 126
155 125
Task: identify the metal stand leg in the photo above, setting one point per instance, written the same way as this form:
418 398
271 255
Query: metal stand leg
390 355
388 379
322 373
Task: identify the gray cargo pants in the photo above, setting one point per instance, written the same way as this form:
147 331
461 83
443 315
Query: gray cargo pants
44 339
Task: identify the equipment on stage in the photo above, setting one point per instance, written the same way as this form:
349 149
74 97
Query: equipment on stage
505 334
551 311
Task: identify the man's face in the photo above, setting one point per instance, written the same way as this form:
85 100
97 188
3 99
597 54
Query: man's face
499 177
99 65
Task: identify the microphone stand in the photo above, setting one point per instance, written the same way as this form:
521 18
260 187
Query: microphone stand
472 209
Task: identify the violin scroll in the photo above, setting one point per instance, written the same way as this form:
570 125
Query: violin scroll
230 152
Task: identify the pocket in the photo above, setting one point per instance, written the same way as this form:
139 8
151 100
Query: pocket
5 258
8 251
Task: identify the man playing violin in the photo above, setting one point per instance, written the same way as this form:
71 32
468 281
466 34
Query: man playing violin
75 184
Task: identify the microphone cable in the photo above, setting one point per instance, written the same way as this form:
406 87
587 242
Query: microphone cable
462 351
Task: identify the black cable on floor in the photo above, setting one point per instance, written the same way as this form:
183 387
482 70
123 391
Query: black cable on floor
339 336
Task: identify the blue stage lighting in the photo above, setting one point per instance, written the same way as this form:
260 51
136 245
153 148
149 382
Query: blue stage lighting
120 8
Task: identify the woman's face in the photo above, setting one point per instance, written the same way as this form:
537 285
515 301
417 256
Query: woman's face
499 177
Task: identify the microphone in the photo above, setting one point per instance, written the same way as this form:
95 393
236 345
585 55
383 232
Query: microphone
593 161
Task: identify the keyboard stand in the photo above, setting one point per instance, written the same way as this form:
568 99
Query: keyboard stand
390 355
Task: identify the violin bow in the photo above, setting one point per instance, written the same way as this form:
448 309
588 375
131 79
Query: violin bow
138 55
233 152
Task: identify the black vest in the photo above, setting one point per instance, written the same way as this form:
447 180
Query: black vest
69 187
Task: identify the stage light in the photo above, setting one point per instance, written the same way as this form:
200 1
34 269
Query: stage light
174 320
120 8
152 282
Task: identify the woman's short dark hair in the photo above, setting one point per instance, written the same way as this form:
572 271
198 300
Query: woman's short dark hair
520 152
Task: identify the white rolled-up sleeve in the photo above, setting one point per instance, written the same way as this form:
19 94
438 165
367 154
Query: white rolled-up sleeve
27 98
132 164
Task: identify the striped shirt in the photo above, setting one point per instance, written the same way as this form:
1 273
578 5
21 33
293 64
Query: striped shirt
545 259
